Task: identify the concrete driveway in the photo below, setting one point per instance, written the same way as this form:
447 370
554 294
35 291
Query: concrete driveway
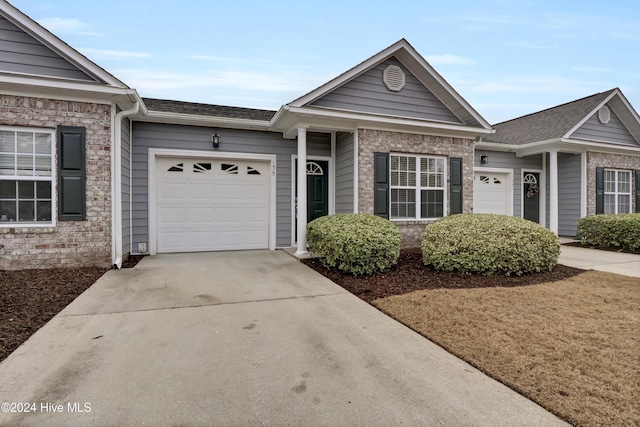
594 259
242 339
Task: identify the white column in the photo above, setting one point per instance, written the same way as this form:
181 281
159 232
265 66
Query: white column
553 191
301 195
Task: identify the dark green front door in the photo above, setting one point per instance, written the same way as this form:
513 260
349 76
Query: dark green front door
531 195
317 189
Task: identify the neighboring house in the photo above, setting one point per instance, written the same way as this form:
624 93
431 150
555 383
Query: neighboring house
91 172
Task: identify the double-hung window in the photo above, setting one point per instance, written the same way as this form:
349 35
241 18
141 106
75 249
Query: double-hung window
417 187
26 165
617 191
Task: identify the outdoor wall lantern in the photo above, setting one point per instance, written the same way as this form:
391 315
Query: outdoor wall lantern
484 159
215 139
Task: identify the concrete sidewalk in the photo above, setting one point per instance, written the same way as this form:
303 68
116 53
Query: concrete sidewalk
242 339
594 259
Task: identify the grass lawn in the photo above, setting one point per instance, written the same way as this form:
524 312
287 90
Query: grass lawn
572 346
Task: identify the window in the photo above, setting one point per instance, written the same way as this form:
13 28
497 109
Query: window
417 187
617 191
25 176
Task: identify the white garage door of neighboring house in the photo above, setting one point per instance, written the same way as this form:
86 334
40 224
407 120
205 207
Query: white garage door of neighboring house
491 193
210 205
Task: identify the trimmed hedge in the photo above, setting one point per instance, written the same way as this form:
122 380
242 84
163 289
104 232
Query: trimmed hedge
358 244
618 230
488 244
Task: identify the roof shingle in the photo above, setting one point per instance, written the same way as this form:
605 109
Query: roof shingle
181 107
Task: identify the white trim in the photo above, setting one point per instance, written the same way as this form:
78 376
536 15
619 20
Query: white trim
541 189
332 177
617 193
590 114
58 83
583 184
155 153
331 183
510 183
356 171
553 191
543 202
131 250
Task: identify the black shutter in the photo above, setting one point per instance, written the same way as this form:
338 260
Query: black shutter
381 184
455 190
637 172
599 190
71 173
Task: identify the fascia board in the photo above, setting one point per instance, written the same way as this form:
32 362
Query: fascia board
63 84
53 42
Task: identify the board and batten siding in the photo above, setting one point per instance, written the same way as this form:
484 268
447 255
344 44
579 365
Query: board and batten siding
503 160
155 135
21 53
125 172
569 170
368 93
614 131
344 173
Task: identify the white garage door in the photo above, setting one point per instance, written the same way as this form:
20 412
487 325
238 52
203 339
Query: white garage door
491 193
211 205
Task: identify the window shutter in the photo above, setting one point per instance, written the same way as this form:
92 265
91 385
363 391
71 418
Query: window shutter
455 190
637 172
71 173
381 184
599 190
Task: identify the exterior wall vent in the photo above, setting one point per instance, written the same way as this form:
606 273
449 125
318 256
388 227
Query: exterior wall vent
393 78
604 115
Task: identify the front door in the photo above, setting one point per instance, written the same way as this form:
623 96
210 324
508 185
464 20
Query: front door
317 190
531 194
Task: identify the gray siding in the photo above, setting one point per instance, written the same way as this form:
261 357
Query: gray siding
344 173
21 53
569 166
614 131
153 135
368 93
125 172
517 164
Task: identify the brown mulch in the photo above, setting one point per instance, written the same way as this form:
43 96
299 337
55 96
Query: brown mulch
30 298
410 274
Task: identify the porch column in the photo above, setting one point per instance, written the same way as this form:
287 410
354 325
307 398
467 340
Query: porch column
553 191
301 196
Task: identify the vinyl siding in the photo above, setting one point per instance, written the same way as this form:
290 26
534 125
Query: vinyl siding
21 53
569 166
126 186
517 164
344 173
153 135
368 93
614 131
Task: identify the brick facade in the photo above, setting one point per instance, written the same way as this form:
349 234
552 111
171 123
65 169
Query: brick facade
371 141
613 161
69 243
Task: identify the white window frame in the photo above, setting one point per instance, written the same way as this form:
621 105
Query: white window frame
31 178
418 188
617 193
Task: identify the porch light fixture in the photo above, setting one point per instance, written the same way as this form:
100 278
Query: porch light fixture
215 139
484 159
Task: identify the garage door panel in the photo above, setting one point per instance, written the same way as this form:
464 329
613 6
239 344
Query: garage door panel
216 207
491 194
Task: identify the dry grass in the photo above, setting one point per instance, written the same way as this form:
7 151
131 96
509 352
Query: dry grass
571 346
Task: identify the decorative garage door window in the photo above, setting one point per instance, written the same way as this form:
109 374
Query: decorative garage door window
178 167
26 165
229 168
202 168
417 187
617 191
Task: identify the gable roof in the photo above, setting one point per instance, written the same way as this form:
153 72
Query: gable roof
419 67
58 47
195 108
563 120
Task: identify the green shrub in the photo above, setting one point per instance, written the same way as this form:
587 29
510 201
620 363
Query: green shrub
619 230
489 244
358 244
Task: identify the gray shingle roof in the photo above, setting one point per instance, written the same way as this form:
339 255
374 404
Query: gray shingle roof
181 107
547 124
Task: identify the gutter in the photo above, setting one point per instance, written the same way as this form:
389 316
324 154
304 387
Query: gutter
117 184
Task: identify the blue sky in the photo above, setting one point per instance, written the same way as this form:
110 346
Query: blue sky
507 58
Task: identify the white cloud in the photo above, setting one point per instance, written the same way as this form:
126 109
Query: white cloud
530 45
448 59
548 84
66 25
112 54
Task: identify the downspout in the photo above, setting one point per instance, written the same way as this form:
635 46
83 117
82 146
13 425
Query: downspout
117 184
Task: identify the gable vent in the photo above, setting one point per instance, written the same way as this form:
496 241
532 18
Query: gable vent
604 115
393 78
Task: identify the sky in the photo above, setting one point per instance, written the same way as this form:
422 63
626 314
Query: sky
507 58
